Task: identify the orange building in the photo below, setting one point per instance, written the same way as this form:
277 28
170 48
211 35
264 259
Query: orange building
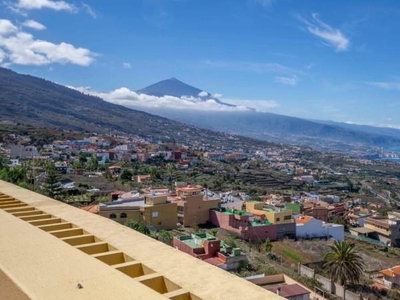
193 206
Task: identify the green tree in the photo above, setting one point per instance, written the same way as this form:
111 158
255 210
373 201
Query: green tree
126 175
4 175
267 245
343 263
153 173
138 226
82 157
92 163
52 186
3 164
17 174
166 237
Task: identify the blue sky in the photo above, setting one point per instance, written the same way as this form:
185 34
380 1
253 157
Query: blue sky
331 60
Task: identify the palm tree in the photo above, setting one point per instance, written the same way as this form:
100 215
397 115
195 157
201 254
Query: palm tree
153 173
343 263
170 168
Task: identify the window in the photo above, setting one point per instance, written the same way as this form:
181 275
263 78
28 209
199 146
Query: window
113 216
154 214
278 219
123 216
287 217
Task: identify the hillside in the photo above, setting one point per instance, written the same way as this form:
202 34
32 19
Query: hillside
33 101
322 135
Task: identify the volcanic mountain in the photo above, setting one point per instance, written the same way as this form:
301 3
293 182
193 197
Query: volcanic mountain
176 88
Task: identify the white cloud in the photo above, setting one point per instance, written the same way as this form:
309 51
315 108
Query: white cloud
259 105
24 49
292 80
34 25
2 55
203 94
89 10
39 4
217 95
331 36
6 27
389 85
126 65
126 97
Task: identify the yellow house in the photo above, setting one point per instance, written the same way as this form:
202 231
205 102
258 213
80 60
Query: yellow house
153 209
273 215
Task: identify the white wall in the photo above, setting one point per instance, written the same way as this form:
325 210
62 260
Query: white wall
317 228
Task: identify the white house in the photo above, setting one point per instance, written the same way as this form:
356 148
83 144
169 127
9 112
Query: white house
309 227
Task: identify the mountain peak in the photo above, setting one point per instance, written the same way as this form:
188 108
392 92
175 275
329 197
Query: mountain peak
170 87
176 88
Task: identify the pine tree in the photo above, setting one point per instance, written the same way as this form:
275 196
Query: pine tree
52 186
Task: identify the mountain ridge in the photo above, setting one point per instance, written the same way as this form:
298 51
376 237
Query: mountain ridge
266 125
38 102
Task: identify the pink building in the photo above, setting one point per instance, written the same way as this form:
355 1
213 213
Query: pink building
211 250
244 224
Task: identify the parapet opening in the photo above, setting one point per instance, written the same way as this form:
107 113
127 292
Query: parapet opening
135 269
160 284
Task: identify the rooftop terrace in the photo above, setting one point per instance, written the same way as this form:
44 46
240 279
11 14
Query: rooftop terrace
196 240
51 250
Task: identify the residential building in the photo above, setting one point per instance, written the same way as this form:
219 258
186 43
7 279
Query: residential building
391 277
317 211
210 249
244 224
193 206
282 285
51 250
141 178
357 218
309 227
23 152
387 229
153 209
279 216
271 213
336 210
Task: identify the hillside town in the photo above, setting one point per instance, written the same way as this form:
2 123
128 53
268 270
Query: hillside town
231 207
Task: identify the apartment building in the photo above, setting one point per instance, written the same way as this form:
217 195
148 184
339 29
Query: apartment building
387 230
211 250
244 224
193 206
281 217
154 209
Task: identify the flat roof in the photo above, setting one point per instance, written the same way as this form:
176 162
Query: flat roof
194 240
362 229
44 266
124 203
